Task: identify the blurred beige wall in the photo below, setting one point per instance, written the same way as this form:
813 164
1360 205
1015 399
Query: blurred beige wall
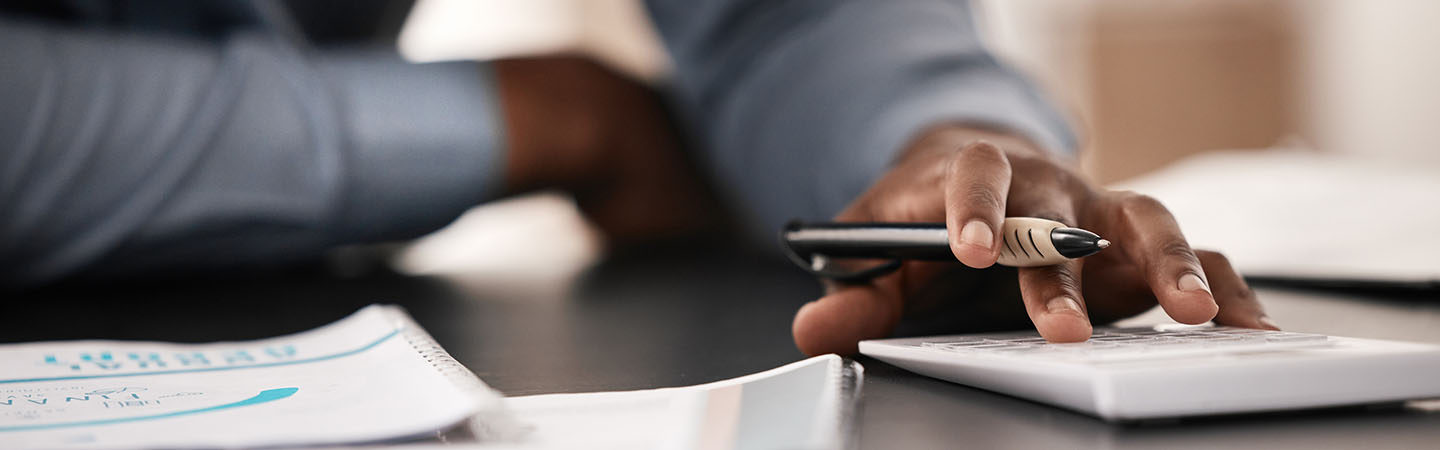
1154 81
1150 82
1372 83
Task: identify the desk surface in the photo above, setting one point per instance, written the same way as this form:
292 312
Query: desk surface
674 321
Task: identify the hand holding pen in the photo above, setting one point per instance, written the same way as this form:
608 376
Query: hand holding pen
971 180
813 246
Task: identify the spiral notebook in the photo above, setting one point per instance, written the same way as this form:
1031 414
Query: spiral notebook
373 377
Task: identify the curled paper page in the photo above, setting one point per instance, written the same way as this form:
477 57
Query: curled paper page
809 404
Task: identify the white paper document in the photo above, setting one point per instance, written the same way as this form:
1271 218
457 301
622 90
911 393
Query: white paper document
372 377
1295 214
803 405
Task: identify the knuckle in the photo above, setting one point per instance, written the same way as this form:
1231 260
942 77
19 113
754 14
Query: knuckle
1178 249
1134 205
1069 180
983 149
1142 214
1244 291
1050 214
1063 277
1067 281
1213 258
983 197
981 154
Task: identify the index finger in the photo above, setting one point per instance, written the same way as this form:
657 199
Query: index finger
976 185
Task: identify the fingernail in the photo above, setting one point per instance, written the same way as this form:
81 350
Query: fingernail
1266 322
1062 304
977 233
1192 282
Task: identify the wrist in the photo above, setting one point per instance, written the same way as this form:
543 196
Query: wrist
605 139
556 131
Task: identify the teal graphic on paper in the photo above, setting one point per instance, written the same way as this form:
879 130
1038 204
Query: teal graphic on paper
265 396
363 348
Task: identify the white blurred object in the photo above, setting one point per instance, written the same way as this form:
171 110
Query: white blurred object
1368 77
616 32
439 30
1296 214
528 242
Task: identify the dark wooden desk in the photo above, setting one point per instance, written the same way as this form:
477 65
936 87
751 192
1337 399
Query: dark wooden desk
672 321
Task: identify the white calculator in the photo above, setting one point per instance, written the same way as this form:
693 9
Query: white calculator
1124 374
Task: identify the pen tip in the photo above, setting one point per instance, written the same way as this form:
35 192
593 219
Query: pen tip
1103 244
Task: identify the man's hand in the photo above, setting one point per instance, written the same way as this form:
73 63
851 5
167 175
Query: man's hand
574 125
972 179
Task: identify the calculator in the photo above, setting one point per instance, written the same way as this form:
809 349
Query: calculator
1127 374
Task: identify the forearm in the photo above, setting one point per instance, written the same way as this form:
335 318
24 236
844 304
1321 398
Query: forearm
123 153
802 105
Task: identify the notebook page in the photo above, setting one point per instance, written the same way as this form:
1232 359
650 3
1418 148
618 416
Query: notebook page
374 376
804 405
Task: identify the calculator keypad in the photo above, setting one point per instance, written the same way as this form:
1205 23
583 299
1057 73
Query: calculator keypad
1131 344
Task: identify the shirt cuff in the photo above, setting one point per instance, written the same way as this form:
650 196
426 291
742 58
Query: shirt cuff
992 96
425 142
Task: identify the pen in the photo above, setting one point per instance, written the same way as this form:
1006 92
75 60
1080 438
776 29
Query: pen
1027 242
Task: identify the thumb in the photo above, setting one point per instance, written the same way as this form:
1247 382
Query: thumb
837 322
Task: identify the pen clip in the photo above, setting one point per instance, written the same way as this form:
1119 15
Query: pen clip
821 266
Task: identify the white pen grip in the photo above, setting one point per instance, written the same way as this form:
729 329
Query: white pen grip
1027 243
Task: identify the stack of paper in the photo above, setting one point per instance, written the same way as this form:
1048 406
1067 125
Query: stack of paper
376 378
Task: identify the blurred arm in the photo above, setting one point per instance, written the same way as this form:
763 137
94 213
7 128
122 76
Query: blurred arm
126 153
803 104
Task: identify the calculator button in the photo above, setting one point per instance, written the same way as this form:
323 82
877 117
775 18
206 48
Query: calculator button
1084 346
957 340
1025 340
1226 340
1174 344
986 346
1149 332
1019 349
1119 339
952 345
1242 331
1288 338
1132 330
1179 334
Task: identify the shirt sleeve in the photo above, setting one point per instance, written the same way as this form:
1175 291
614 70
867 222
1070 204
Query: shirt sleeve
124 153
800 105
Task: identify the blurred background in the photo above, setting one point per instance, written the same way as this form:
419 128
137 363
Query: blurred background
1146 82
1327 106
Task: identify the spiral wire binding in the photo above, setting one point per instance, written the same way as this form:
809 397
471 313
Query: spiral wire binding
491 422
846 376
